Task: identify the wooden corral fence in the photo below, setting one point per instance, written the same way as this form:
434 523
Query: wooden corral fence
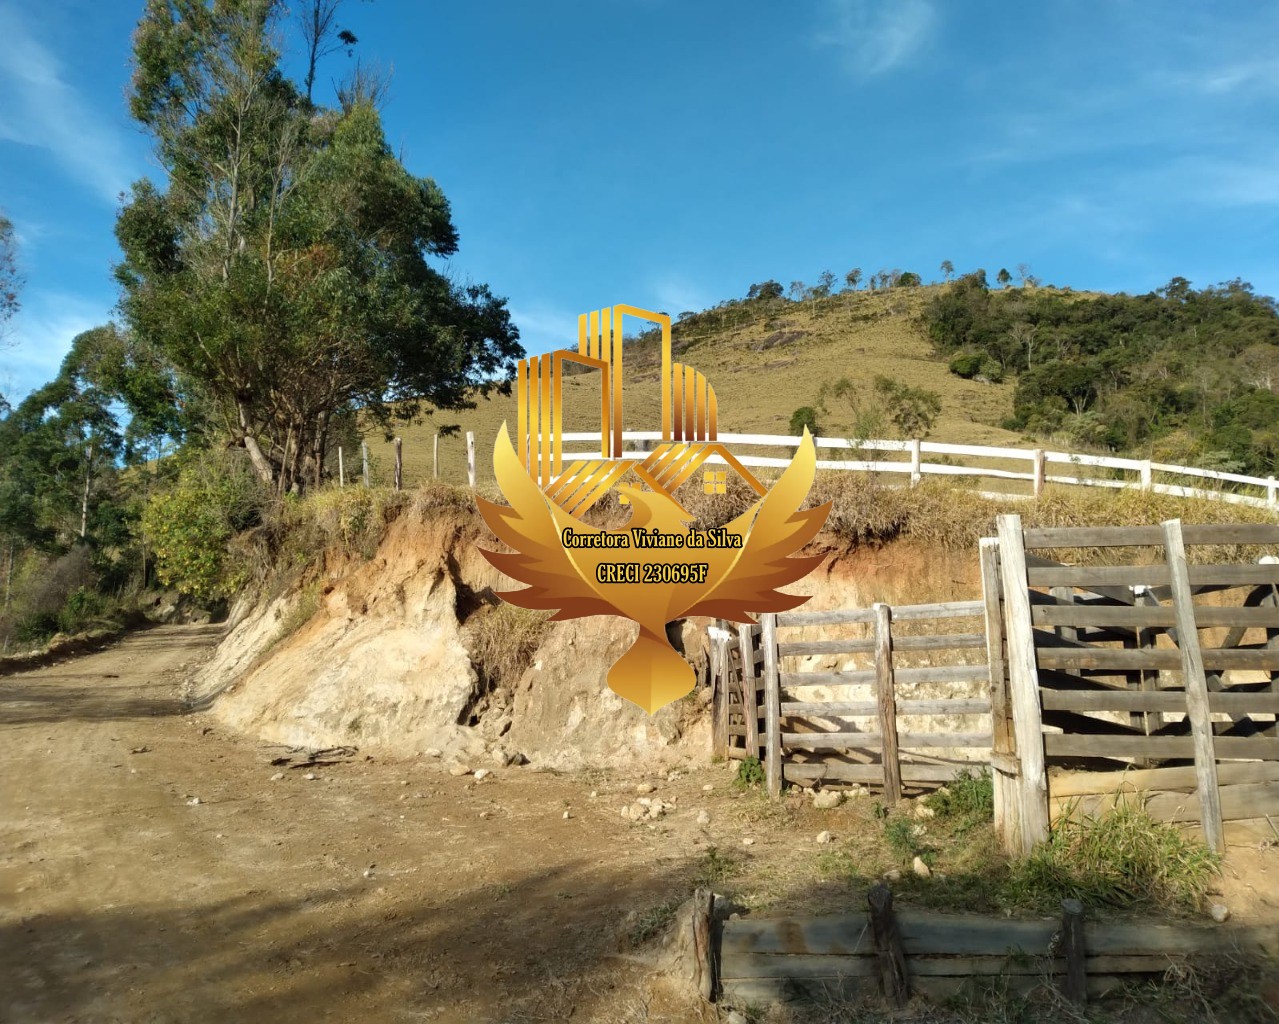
1155 678
1138 673
875 729
900 953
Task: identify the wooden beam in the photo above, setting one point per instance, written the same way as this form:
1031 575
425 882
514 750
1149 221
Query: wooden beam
1192 667
772 707
1149 536
1003 742
894 983
1075 983
1176 779
750 696
1023 677
886 698
1162 747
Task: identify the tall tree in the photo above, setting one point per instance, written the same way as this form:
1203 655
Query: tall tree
947 269
321 35
284 272
853 278
10 278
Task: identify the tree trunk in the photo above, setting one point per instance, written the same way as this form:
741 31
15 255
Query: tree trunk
265 471
84 497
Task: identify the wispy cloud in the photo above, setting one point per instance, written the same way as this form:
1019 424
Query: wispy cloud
543 328
874 36
675 296
41 109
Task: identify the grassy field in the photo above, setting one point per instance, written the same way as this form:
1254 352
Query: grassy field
761 371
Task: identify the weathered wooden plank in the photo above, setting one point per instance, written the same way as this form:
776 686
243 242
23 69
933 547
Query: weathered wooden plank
939 610
800 648
940 706
719 689
801 966
1177 779
942 674
835 617
1192 670
842 934
1075 982
750 693
911 773
1092 576
1023 677
772 711
1220 658
1151 617
852 678
1003 758
940 642
1237 803
886 705
1057 745
894 982
874 741
1156 700
1141 536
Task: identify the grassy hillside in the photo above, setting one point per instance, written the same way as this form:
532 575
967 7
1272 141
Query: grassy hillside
762 370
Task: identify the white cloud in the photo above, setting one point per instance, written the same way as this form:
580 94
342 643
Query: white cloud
543 328
875 36
675 296
41 109
40 337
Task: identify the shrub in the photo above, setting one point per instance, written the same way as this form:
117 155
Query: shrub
804 416
191 522
504 639
750 773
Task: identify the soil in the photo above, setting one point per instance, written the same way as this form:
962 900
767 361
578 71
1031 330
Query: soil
374 891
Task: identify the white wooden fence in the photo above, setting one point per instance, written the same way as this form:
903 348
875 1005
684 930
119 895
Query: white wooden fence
1036 467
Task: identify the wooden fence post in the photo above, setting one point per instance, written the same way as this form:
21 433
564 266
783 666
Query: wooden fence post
1040 472
470 458
1005 769
893 980
1147 476
1192 668
719 689
1072 940
399 464
364 457
1023 685
916 473
886 695
750 695
435 457
341 469
772 706
1272 492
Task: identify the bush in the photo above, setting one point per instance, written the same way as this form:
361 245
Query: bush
750 773
190 524
971 365
82 607
804 416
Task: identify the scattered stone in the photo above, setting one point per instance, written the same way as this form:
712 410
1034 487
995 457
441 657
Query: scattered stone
645 801
748 841
432 752
482 773
635 811
924 811
708 788
703 818
277 776
404 782
920 868
567 815
140 750
827 799
734 1017
484 814
824 837
1220 913
193 801
892 875
506 758
673 777
219 836
645 787
310 776
458 770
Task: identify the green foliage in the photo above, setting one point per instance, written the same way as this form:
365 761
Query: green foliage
804 417
977 364
913 411
83 606
1191 375
10 279
909 279
970 796
899 835
715 868
1121 858
750 773
191 522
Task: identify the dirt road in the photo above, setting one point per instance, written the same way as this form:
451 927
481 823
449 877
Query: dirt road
373 892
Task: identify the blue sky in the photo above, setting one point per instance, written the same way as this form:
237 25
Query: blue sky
668 153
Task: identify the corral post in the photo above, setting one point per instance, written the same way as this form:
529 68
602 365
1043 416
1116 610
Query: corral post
1272 492
341 469
750 696
894 983
1023 685
1147 476
399 464
1192 668
703 923
1005 770
470 458
916 473
772 706
1075 987
886 695
435 457
364 458
1040 472
719 690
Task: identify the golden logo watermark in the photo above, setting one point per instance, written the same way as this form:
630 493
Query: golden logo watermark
655 569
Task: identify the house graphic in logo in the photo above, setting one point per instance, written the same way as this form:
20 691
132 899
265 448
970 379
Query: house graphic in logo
690 415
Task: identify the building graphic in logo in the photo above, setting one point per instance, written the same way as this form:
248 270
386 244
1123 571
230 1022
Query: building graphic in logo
654 569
